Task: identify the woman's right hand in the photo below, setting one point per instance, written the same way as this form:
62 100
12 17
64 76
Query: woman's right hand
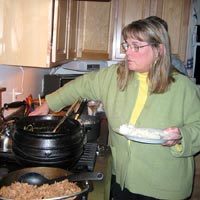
41 110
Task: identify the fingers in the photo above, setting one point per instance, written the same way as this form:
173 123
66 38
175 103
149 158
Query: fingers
41 110
173 136
172 143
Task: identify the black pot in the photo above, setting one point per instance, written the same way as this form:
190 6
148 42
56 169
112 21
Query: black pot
34 143
91 125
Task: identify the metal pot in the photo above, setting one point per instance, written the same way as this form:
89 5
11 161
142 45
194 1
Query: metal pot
49 173
34 143
91 125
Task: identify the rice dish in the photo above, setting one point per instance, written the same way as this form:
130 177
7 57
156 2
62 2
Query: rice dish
25 191
130 130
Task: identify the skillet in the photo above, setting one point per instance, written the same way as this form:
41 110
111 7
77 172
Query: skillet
49 173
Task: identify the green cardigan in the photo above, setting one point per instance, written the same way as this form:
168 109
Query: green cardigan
148 169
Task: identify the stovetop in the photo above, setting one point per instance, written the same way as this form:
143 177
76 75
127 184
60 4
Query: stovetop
88 158
94 158
86 161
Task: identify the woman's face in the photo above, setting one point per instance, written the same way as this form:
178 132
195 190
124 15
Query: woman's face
140 55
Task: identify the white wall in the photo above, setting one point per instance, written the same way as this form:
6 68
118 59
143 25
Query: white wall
24 80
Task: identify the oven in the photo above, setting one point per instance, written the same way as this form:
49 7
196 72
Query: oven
96 157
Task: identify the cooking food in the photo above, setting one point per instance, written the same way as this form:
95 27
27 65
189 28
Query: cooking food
24 191
131 130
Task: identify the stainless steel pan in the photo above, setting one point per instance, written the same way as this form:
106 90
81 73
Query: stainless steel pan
49 173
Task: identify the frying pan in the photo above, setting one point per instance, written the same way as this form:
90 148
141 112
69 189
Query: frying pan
49 173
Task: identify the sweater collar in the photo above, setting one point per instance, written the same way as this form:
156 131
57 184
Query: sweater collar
141 76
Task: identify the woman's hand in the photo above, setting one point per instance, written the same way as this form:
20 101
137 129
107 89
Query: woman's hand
174 136
41 110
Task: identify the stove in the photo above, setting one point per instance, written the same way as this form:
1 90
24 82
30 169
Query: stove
88 158
95 157
86 162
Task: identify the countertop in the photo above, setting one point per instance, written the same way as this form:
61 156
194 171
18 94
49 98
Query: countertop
102 188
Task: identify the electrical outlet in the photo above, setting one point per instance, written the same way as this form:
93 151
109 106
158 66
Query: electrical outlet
15 95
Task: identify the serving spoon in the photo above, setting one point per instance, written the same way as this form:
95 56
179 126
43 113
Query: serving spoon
35 178
68 113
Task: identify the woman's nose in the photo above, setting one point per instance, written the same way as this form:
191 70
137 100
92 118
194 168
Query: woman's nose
128 51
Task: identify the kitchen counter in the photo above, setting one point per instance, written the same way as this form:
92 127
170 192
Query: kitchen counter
196 188
102 188
103 163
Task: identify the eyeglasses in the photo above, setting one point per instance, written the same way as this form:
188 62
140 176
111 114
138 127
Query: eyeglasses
133 47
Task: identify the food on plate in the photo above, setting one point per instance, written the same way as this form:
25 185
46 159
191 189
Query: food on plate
25 191
128 129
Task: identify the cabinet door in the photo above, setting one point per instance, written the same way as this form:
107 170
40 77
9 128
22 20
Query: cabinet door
74 29
25 38
29 28
60 31
90 34
126 12
175 12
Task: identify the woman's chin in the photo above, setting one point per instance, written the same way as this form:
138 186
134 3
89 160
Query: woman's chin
132 68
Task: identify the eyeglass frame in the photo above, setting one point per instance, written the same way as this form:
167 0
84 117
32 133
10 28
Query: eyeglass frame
133 46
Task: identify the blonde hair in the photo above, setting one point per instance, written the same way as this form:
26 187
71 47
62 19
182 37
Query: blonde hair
160 73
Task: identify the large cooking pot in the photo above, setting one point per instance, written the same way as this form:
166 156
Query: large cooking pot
34 143
49 173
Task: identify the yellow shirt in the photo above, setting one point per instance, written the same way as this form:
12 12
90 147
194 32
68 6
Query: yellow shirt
141 98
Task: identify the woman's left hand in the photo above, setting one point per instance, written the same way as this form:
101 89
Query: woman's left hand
174 135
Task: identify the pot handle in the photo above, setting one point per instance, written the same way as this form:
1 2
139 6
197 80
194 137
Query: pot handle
89 176
82 176
15 104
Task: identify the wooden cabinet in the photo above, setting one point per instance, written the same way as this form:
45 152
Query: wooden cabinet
175 12
91 30
33 33
50 32
126 12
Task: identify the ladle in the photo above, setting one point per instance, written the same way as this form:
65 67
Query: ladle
35 178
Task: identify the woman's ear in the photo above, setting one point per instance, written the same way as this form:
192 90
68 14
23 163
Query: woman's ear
160 50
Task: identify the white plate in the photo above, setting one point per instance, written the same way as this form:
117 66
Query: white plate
145 140
154 132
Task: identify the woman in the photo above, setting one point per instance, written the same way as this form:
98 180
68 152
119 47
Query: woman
145 92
